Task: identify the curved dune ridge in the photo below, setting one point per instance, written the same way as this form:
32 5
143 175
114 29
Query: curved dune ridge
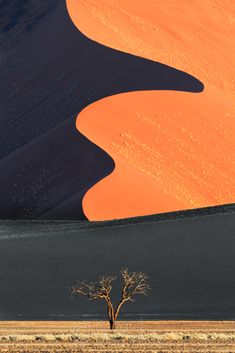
163 160
193 36
172 150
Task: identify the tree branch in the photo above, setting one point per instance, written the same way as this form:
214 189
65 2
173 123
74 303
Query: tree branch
94 290
133 283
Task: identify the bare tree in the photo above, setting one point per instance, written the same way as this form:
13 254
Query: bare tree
133 283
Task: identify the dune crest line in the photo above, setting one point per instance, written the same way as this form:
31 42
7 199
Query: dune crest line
172 150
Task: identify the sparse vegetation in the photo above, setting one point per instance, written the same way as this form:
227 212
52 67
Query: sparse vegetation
122 337
138 337
133 283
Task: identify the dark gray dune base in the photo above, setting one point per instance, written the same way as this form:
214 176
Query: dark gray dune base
189 257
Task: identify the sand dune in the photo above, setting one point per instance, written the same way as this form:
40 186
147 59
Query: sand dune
171 150
167 156
46 165
194 36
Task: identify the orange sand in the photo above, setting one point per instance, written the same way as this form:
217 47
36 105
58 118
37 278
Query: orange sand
172 150
195 36
168 156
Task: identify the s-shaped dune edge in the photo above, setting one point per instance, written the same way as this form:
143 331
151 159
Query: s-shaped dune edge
172 150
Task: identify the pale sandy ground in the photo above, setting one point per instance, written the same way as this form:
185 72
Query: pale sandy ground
152 336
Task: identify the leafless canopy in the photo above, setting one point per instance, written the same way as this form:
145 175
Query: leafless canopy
94 290
133 283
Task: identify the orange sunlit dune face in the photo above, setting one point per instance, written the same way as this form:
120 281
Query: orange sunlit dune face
167 156
172 150
193 36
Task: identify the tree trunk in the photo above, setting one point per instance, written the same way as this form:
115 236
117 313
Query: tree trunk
111 314
112 324
117 311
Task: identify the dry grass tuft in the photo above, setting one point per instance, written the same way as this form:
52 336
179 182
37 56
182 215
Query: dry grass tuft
124 337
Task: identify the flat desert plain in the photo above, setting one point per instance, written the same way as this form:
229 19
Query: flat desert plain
142 336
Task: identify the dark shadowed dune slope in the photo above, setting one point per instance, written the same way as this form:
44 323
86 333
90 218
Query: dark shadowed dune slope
189 257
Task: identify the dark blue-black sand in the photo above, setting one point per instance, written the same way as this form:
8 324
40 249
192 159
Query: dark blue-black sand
49 72
189 257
